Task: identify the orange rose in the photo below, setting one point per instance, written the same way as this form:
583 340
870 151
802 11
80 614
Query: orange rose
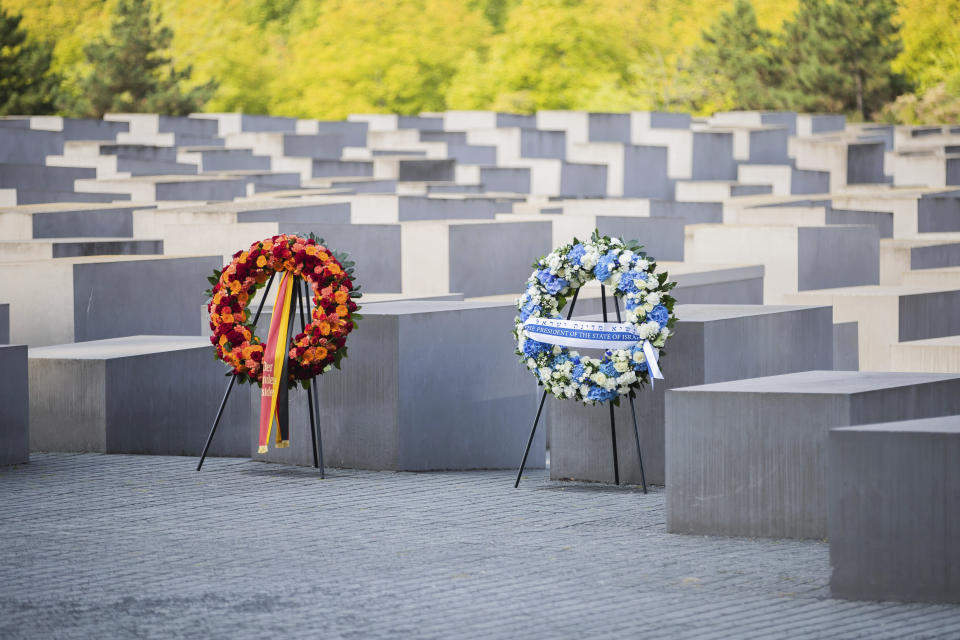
322 257
311 249
341 296
334 268
262 261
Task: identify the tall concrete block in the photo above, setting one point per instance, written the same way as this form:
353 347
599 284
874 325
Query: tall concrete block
14 405
846 347
391 405
795 258
495 179
4 324
140 394
369 208
443 257
155 188
103 297
890 315
660 237
895 540
26 146
713 343
749 457
354 134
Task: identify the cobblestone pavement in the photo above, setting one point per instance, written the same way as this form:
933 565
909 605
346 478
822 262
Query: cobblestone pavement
128 546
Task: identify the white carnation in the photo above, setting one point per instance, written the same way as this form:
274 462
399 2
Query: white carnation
625 257
642 264
653 298
652 283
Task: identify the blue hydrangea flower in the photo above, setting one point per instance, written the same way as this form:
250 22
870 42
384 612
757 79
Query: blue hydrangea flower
631 304
660 315
608 370
628 281
599 394
576 253
578 371
559 359
533 348
528 310
605 266
553 284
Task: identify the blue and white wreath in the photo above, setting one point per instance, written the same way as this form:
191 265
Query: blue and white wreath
631 275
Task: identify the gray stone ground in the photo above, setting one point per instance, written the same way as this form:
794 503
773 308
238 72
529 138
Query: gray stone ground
126 546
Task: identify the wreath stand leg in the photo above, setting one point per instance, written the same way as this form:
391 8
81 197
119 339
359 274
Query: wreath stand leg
613 424
543 398
312 393
633 412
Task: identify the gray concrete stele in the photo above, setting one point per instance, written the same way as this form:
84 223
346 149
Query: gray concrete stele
139 394
894 517
749 457
712 343
427 386
14 408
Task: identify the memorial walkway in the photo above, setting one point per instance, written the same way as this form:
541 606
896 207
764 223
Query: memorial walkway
139 546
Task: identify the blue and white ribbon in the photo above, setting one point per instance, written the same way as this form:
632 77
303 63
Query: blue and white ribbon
591 335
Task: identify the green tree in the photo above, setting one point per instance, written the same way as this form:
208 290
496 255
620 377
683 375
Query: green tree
838 56
736 61
27 87
132 71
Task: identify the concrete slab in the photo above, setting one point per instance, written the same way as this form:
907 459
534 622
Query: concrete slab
14 405
749 457
408 348
712 343
141 394
895 540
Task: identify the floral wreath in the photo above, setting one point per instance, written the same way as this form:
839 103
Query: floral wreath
312 352
648 305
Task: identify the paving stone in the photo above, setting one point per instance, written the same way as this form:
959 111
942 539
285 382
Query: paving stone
143 546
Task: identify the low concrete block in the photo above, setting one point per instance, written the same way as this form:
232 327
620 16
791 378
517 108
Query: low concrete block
404 400
141 394
713 343
660 237
749 457
72 248
795 258
895 540
14 405
846 347
4 324
103 297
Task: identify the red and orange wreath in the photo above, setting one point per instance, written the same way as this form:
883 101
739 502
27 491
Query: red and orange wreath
322 344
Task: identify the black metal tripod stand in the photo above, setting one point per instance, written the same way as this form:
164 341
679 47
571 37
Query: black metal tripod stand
613 427
301 290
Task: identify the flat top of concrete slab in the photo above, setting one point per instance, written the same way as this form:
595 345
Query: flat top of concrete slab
119 347
63 207
162 179
711 312
240 206
943 424
109 258
947 341
872 290
925 240
413 307
822 382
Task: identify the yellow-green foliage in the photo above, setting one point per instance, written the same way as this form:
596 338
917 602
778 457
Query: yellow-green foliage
328 58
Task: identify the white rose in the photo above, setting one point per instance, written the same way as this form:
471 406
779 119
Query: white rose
652 283
627 378
599 378
569 392
556 349
620 366
653 298
638 356
642 264
648 307
531 363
